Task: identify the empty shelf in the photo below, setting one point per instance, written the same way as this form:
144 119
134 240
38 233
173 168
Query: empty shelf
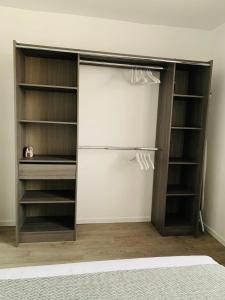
182 161
177 220
179 190
48 122
46 87
66 159
43 224
188 96
185 128
48 196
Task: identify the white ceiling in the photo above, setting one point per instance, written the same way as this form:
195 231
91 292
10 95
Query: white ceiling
204 14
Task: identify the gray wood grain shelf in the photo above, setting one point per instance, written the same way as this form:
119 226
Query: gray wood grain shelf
48 122
185 128
47 87
48 196
179 190
188 96
67 159
182 161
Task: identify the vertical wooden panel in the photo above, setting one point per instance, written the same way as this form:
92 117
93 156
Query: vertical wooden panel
77 66
163 143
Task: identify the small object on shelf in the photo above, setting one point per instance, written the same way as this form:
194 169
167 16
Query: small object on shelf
28 152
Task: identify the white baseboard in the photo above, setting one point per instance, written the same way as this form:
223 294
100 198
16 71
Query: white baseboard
113 220
8 223
218 237
94 220
123 220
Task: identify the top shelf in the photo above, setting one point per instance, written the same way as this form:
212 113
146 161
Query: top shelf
44 87
188 96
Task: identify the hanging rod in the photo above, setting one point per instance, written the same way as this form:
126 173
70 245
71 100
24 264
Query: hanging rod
119 65
118 148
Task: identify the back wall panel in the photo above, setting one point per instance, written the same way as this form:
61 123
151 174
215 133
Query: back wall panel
111 188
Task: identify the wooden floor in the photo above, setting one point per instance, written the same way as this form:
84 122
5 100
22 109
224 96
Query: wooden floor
103 242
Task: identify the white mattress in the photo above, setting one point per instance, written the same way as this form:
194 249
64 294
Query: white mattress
103 266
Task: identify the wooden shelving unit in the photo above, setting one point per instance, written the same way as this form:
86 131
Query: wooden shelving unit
47 94
181 136
46 105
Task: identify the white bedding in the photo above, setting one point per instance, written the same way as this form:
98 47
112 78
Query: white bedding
104 266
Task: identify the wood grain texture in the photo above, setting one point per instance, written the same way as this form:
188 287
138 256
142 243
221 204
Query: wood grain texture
47 87
187 113
30 185
104 242
47 171
203 83
163 143
77 144
49 106
65 159
187 144
46 119
48 196
38 50
49 139
50 71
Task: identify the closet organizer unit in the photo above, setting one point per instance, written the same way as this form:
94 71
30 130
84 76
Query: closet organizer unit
46 101
46 82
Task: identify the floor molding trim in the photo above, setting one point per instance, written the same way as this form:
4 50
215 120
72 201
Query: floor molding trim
8 223
113 220
94 220
218 237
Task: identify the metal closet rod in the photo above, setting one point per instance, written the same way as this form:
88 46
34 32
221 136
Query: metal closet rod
120 65
118 148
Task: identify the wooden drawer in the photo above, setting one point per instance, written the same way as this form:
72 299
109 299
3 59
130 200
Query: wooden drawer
47 171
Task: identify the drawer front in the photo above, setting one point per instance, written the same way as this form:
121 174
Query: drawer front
47 171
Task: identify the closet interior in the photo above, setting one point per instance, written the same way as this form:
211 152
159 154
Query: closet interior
47 95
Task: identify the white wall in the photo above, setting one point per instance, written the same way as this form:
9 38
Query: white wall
75 32
113 112
214 212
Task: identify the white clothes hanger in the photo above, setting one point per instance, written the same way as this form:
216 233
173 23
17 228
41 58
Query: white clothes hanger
143 79
143 159
132 79
139 76
143 155
152 77
137 79
139 160
150 160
